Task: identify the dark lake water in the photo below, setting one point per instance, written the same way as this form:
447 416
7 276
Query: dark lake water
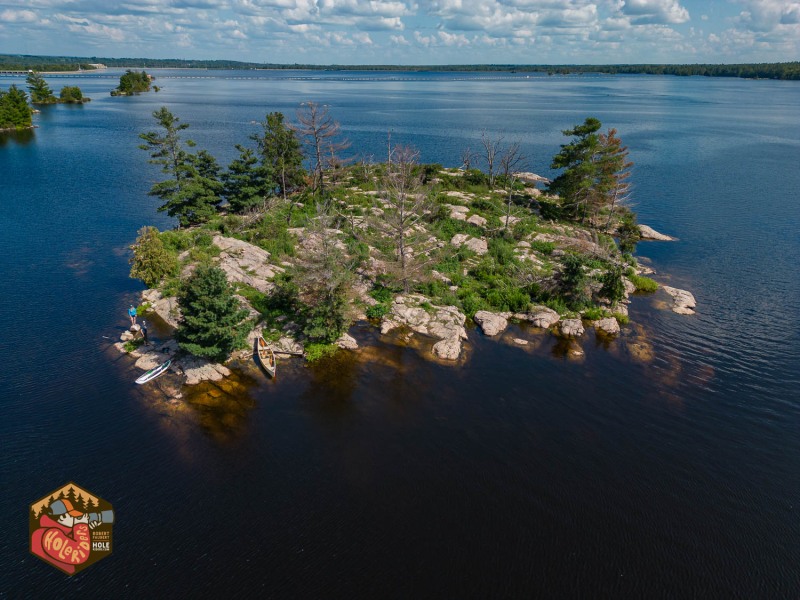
380 475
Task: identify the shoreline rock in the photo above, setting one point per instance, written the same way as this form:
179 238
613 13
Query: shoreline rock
683 302
648 233
443 322
491 323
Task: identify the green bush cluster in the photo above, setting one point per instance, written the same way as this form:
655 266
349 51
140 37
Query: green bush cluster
643 284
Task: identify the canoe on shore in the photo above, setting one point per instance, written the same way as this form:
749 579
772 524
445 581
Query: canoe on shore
155 372
266 357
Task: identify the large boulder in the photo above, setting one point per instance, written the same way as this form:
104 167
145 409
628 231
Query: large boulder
491 323
648 233
477 245
477 220
449 349
572 328
683 302
347 342
607 326
443 322
540 316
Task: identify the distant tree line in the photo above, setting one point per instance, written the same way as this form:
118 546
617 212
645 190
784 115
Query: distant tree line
786 71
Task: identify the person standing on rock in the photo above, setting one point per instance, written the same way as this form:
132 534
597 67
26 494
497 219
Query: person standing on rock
144 332
132 314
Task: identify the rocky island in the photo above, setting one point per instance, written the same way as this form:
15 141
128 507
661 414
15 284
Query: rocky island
299 256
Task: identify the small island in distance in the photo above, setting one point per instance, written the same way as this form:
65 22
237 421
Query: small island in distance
22 63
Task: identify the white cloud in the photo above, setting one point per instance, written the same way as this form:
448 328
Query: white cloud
18 16
649 12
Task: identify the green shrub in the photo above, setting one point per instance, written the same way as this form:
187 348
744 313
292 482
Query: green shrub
543 247
621 319
613 286
644 284
151 261
557 304
176 240
594 313
315 352
381 294
132 345
377 311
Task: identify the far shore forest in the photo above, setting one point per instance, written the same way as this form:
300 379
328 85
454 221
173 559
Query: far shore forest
787 70
383 227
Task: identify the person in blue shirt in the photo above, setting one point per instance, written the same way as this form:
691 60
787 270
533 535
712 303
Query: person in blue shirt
132 314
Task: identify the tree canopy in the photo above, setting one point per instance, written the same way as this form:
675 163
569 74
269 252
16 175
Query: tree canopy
133 82
15 113
213 324
39 90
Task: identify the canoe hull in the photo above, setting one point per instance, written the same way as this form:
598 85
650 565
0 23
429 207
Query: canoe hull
266 357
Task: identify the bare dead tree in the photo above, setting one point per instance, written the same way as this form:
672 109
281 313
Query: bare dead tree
490 149
321 135
404 206
467 156
511 161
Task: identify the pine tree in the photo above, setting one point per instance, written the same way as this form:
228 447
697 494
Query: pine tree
213 323
247 183
191 193
576 185
281 153
15 113
39 90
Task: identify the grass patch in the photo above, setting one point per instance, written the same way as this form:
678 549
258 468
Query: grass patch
621 319
132 345
315 352
643 284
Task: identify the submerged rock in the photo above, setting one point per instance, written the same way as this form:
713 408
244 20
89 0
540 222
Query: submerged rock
197 369
683 302
491 323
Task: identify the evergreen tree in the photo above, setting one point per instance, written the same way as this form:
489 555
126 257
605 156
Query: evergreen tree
614 171
151 261
324 277
247 183
573 282
213 323
576 185
613 286
192 190
39 90
281 153
15 113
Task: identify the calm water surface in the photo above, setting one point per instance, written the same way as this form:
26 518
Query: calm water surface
379 474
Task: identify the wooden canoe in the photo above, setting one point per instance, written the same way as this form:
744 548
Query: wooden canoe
266 357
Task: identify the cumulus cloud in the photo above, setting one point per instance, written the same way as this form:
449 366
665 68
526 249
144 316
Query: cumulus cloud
649 12
17 16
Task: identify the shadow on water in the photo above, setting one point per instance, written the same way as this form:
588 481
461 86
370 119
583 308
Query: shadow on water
21 137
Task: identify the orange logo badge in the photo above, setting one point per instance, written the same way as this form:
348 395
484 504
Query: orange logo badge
71 528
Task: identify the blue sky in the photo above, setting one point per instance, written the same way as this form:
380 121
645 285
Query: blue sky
408 31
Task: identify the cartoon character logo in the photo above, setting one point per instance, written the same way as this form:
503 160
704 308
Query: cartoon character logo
71 528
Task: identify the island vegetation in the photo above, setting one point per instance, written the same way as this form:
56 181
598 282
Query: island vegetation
271 245
40 92
15 112
133 82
